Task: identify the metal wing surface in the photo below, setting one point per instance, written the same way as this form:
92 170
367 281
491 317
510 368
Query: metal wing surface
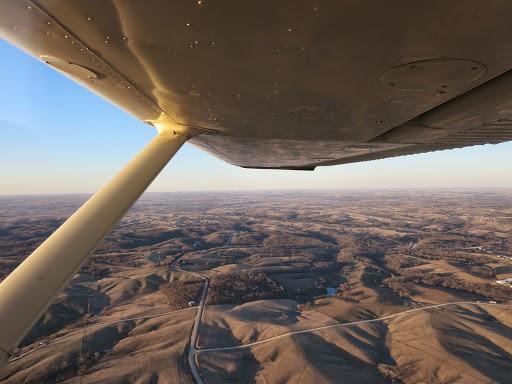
288 84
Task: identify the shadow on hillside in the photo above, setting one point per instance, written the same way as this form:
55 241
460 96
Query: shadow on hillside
334 362
478 351
66 312
218 365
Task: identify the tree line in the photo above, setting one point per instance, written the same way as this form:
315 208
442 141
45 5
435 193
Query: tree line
242 287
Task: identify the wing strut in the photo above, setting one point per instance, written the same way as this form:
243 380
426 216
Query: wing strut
29 290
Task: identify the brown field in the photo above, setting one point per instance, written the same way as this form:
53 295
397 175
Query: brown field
459 345
136 351
271 258
257 320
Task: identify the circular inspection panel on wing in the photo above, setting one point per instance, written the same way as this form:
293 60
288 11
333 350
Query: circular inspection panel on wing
428 75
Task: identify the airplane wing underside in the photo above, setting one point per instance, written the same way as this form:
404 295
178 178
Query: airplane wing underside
288 84
268 84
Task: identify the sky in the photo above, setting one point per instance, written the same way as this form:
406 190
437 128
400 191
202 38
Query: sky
57 137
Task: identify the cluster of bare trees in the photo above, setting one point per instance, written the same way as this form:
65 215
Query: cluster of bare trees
348 291
437 246
404 285
389 374
57 373
399 262
241 287
180 292
484 270
95 269
400 285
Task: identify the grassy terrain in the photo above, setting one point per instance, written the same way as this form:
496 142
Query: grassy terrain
270 257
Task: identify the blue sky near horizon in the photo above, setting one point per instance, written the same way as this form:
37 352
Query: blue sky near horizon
57 137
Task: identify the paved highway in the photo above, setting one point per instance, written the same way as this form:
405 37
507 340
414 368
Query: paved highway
197 322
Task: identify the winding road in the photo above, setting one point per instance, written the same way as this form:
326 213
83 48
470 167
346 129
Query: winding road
194 350
343 325
197 322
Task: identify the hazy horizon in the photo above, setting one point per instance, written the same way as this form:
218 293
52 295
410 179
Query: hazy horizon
57 138
291 190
